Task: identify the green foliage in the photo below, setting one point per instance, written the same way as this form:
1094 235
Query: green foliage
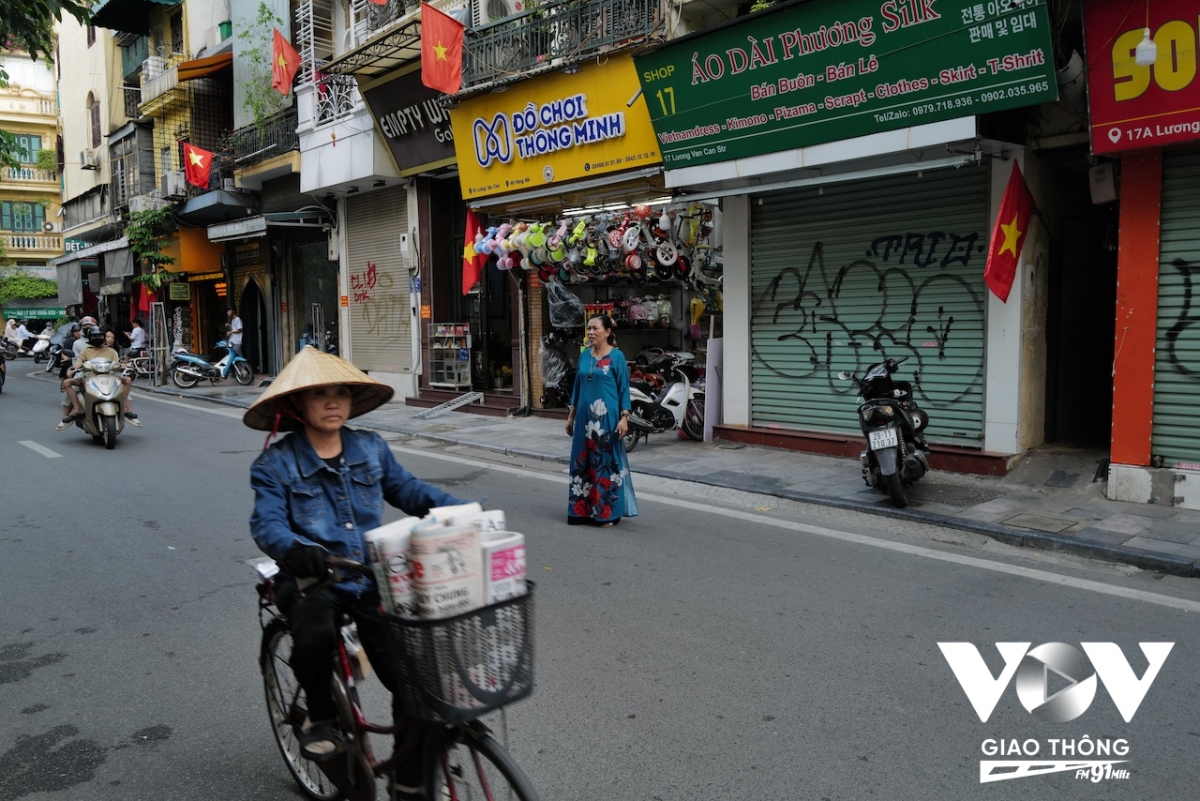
261 100
761 5
147 232
28 24
47 160
20 285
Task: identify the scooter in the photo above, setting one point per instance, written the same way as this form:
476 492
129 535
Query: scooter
102 395
896 452
41 349
3 369
678 405
187 369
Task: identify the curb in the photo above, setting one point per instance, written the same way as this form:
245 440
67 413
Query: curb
1146 560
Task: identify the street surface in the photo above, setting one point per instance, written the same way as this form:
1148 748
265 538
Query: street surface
722 645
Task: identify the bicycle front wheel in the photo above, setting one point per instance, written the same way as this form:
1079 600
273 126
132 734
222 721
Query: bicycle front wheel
475 767
287 708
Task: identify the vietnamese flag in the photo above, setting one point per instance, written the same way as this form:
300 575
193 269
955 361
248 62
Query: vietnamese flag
285 62
197 165
1009 235
472 262
441 50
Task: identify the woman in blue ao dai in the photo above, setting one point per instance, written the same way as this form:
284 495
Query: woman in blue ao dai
601 491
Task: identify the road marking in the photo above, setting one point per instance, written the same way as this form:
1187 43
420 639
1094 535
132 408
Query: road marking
33 446
859 539
217 410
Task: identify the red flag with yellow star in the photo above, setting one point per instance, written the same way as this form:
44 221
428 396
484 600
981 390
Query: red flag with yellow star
1008 237
197 165
441 50
285 62
472 262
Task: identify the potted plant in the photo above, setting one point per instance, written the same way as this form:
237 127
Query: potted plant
504 377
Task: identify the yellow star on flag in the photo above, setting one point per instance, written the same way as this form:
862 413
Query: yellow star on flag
469 251
281 61
195 158
440 49
1012 236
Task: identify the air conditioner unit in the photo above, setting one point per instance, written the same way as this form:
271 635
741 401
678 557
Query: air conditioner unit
50 227
152 67
174 185
485 11
87 159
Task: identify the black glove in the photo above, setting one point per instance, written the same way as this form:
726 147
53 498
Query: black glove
306 561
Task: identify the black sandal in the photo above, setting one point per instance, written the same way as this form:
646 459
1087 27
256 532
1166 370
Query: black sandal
321 742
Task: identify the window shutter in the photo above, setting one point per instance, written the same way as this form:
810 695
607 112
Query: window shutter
6 216
39 217
95 123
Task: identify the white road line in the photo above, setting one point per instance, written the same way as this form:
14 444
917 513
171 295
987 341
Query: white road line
33 446
859 539
207 408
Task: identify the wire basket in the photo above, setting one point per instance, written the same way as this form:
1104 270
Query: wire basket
460 668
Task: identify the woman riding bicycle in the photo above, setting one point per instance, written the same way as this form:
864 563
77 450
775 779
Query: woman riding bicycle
317 492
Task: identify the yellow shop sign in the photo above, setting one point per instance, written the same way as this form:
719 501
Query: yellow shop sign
553 129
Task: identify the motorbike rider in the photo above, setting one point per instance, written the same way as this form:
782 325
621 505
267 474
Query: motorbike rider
137 338
26 338
10 332
85 325
96 349
317 491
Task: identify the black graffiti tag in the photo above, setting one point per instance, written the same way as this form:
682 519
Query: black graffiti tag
923 248
1179 329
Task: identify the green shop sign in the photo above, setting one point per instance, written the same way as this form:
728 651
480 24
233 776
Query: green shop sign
824 71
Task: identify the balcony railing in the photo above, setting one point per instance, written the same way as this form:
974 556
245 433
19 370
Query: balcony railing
337 97
275 136
32 242
28 175
565 32
369 17
160 74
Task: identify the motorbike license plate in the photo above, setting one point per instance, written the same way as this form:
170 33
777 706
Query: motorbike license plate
883 438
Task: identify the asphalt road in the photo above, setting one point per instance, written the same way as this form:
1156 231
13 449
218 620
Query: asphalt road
720 646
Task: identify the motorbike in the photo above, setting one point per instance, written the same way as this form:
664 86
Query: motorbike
894 426
102 395
678 404
188 369
41 349
3 369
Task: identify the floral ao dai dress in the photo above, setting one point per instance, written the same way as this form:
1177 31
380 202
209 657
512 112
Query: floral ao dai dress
601 488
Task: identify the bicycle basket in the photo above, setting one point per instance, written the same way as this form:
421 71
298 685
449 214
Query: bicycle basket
460 668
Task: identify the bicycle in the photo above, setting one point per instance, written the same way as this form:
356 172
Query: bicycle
464 761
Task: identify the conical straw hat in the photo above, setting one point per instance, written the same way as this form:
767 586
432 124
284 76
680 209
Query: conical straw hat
312 368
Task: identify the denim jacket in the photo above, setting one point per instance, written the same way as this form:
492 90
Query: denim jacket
299 498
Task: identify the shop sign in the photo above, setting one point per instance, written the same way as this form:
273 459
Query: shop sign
71 245
249 252
1134 106
179 290
825 71
35 311
552 129
411 121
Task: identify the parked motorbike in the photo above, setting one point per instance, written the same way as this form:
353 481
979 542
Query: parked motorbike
679 404
10 349
188 369
896 452
102 395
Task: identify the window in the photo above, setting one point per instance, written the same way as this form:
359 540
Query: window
177 33
91 35
28 147
23 218
94 113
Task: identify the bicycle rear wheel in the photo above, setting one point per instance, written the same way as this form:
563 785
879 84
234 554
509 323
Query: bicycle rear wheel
286 706
478 768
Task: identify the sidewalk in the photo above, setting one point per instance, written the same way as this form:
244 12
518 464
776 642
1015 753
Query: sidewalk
1048 502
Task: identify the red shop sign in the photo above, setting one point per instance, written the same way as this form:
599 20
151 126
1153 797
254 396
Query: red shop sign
1134 106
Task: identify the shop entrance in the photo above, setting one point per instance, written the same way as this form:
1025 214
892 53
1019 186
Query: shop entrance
314 295
255 340
1081 299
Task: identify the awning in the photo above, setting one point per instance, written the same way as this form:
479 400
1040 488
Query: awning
198 68
129 16
389 50
254 227
70 283
617 187
215 207
118 263
91 252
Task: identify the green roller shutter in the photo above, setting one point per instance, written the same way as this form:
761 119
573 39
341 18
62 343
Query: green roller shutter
1176 432
845 274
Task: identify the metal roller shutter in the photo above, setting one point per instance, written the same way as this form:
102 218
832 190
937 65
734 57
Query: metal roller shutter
380 313
1175 435
845 274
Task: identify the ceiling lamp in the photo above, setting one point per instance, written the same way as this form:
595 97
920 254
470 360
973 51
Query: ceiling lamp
1146 52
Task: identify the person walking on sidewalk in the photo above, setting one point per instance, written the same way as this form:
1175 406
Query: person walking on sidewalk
235 332
601 489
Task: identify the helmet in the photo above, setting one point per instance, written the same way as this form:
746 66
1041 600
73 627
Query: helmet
89 320
95 336
75 327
